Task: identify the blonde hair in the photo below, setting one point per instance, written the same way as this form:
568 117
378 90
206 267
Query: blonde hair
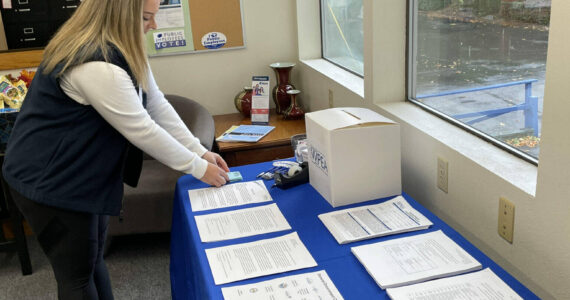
97 25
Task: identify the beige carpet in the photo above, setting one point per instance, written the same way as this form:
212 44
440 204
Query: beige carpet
138 266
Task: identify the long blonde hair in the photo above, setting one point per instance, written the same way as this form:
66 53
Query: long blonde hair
94 27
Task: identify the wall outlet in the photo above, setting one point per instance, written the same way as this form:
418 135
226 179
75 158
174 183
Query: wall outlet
506 219
442 174
331 99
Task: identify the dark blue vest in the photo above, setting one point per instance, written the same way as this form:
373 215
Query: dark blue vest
64 154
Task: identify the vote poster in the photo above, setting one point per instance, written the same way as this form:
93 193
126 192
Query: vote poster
187 26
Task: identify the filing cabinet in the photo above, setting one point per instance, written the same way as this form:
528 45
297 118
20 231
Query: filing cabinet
63 9
29 35
31 23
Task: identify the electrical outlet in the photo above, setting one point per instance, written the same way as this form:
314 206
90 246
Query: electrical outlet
442 174
331 99
506 219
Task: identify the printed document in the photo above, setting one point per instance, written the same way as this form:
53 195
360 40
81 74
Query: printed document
229 195
479 285
315 285
245 133
241 223
370 221
414 259
259 258
169 16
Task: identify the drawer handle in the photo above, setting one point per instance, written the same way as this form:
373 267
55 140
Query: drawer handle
21 2
28 30
71 6
23 9
29 40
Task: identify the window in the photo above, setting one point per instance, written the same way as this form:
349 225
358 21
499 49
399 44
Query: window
481 64
342 37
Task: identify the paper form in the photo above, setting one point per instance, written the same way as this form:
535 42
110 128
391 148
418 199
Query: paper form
365 222
169 16
414 259
315 285
264 257
7 4
229 195
241 223
478 285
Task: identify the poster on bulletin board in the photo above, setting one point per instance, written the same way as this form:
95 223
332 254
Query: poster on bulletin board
188 26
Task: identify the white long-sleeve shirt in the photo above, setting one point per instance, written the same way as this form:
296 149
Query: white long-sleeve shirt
158 130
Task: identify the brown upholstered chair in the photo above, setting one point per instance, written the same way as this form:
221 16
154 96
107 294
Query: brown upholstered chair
148 207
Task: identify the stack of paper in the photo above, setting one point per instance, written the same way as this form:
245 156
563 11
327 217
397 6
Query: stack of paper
414 259
264 257
229 195
241 223
479 285
365 222
245 133
314 285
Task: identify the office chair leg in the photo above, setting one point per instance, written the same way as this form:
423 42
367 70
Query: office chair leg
17 218
20 237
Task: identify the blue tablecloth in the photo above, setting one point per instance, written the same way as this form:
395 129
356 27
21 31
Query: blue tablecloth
190 273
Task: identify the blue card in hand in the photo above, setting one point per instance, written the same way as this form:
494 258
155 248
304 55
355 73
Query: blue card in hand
235 176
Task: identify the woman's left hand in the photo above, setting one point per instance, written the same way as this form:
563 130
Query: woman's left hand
216 159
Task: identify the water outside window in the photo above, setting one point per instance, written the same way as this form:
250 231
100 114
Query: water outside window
483 63
342 33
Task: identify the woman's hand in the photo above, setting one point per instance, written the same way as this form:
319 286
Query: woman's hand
216 159
215 175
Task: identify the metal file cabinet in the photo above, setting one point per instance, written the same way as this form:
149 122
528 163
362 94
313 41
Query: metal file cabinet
31 23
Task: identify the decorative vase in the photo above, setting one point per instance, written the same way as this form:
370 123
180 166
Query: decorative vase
279 92
294 111
242 101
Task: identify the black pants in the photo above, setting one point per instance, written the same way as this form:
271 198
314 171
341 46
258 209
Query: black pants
73 243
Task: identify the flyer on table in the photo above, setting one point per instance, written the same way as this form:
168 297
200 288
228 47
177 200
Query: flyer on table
229 195
241 223
314 285
259 258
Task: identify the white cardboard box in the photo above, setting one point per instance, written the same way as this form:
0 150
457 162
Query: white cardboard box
354 155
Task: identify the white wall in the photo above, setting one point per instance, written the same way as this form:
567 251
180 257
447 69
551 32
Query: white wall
214 78
479 173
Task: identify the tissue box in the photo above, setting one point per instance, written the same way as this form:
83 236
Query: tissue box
354 155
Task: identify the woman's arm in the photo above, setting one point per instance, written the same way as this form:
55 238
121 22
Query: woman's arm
110 91
162 112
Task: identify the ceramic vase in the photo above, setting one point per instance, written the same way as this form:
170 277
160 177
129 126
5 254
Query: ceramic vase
279 92
242 101
294 111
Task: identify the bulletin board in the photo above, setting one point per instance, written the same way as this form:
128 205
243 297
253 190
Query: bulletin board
189 26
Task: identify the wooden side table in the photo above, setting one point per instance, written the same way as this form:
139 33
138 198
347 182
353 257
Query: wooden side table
275 145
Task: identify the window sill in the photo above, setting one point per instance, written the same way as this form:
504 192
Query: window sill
516 171
346 79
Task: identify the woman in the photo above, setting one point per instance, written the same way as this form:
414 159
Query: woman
92 99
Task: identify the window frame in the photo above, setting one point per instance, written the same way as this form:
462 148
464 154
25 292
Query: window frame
322 31
411 49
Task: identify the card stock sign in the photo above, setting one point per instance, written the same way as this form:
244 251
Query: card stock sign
169 39
214 40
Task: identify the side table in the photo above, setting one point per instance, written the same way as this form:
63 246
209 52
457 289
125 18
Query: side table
275 145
